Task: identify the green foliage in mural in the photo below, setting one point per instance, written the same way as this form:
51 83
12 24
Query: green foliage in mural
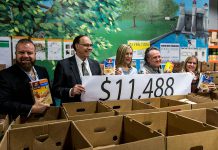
20 17
64 19
169 8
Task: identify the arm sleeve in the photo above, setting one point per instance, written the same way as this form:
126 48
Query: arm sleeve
9 103
58 89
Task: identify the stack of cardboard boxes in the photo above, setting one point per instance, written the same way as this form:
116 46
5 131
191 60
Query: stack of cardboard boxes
163 123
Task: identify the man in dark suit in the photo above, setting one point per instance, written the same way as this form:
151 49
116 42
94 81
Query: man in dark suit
67 84
15 91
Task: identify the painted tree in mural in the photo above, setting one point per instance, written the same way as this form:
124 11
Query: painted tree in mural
64 19
150 10
158 10
132 8
168 8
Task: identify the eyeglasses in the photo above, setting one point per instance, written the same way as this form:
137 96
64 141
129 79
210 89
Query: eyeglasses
86 45
22 53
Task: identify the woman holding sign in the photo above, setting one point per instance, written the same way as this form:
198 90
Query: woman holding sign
191 65
200 83
124 61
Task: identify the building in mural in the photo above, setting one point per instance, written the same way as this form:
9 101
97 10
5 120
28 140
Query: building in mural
193 21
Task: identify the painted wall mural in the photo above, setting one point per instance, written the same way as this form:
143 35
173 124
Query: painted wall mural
109 23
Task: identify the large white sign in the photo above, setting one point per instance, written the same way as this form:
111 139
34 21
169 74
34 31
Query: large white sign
118 87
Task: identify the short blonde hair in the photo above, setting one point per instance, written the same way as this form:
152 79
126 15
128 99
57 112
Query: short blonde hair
120 56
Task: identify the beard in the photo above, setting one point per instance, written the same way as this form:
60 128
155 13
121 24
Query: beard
27 65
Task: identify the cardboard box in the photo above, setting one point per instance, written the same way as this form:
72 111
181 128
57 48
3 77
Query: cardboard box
163 104
118 132
206 66
78 139
2 66
205 105
202 100
4 123
86 110
192 97
214 95
215 66
215 77
181 133
53 114
51 136
3 142
199 99
205 115
122 107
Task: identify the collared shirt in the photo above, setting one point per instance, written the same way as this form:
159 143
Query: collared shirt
30 77
79 64
147 69
132 70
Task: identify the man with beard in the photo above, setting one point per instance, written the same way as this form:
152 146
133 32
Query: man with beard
15 91
67 84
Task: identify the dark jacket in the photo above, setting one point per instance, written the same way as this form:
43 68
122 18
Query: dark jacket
66 75
15 91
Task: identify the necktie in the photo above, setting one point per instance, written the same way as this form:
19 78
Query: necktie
84 70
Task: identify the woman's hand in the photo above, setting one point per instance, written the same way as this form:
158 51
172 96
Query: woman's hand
118 71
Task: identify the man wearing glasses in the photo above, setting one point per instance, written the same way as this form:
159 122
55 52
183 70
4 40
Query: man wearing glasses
15 91
67 84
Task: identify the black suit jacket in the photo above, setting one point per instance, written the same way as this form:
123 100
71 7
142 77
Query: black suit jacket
66 75
15 94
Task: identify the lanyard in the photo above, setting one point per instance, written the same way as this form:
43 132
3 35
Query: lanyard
30 77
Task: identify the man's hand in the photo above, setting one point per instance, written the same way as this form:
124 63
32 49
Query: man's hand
77 89
39 107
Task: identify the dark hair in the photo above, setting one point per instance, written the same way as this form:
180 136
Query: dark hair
22 41
147 53
76 41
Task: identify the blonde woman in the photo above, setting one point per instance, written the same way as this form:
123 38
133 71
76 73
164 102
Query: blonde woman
191 65
124 61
